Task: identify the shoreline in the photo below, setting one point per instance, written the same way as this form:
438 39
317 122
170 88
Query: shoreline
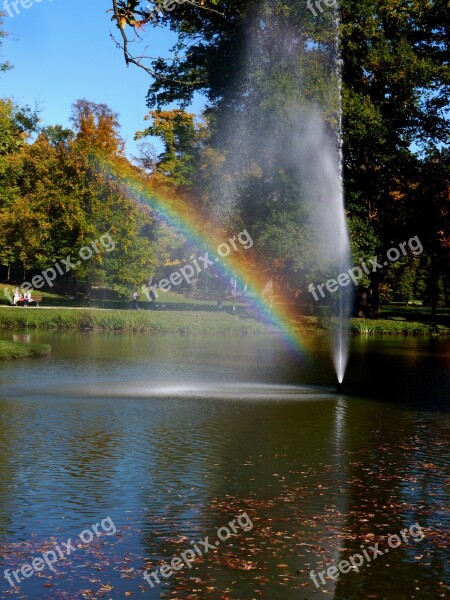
196 322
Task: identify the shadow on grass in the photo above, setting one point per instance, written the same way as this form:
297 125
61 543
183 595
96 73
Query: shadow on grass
417 314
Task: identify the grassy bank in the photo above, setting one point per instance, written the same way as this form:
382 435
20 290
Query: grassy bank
405 320
128 321
207 321
396 327
11 350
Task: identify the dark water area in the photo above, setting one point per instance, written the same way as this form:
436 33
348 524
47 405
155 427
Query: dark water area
170 438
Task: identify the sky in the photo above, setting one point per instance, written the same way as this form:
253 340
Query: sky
62 51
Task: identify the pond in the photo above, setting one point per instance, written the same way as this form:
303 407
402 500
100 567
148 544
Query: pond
119 453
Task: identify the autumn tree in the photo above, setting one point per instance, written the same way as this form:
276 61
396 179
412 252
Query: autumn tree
58 195
181 139
97 128
16 125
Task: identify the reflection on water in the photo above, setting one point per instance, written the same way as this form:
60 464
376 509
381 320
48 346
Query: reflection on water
174 436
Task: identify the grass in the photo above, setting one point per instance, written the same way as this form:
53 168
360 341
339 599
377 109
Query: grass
105 298
404 320
128 321
11 350
389 327
179 313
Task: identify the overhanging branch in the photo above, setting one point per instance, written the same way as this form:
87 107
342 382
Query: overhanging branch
123 19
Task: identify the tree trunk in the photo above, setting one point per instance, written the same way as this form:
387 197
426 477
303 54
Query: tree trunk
446 295
446 277
434 285
375 291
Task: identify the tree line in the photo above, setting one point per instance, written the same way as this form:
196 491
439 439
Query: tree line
56 199
247 59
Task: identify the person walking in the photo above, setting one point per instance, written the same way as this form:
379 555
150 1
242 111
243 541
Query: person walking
135 300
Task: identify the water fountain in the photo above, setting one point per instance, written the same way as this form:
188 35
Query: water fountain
303 137
341 342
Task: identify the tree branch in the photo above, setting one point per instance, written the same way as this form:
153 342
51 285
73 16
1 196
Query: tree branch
130 59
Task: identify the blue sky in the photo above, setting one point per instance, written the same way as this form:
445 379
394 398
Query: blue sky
62 51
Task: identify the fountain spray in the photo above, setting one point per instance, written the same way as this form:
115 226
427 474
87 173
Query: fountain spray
341 342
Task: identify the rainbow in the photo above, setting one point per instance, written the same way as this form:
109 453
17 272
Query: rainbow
181 215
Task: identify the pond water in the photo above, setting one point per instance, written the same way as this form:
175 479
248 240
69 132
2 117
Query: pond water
162 440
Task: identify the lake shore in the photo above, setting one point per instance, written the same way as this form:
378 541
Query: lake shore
128 321
200 322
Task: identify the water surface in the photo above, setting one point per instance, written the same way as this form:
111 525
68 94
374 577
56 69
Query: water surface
172 437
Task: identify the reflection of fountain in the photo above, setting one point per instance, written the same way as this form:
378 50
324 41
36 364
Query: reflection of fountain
335 514
152 389
343 500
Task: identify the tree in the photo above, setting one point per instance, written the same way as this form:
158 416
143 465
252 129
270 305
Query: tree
395 98
432 220
97 128
4 66
16 125
211 46
59 195
248 59
180 136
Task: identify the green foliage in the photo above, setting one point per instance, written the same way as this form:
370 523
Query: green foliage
16 124
13 350
367 327
4 66
181 138
395 99
396 79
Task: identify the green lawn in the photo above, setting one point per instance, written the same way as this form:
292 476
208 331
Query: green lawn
178 313
104 298
416 313
11 350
